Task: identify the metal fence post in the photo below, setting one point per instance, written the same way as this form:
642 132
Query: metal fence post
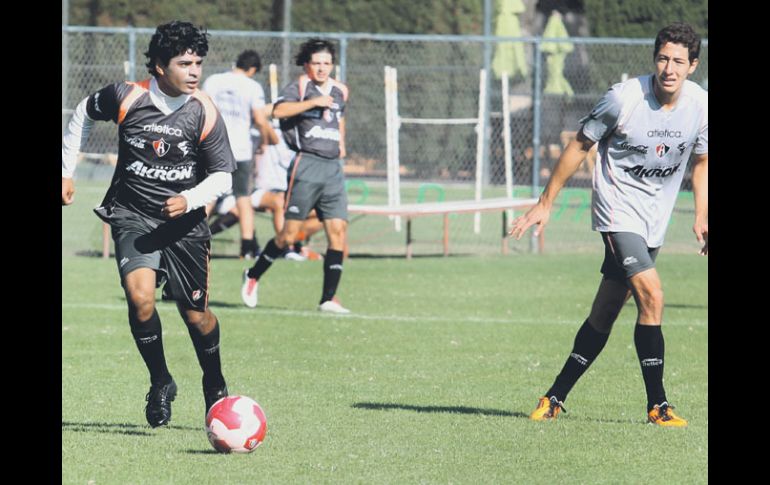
536 121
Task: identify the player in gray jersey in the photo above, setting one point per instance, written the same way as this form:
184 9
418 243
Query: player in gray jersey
311 111
173 158
647 129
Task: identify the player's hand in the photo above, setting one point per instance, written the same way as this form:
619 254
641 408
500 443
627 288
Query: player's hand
701 230
174 207
537 215
67 191
323 101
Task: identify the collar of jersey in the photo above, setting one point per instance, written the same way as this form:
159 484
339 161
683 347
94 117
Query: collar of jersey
165 103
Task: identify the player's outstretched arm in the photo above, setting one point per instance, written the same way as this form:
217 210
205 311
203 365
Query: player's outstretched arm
287 109
568 163
700 187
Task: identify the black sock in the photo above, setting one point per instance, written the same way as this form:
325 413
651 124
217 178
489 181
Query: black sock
650 348
249 246
207 350
149 340
266 259
588 344
223 222
332 273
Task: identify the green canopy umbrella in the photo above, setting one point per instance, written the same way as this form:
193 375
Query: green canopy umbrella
556 53
509 56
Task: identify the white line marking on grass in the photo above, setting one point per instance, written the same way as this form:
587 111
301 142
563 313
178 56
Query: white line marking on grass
358 316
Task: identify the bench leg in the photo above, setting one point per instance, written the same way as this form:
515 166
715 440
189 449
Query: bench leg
408 238
446 234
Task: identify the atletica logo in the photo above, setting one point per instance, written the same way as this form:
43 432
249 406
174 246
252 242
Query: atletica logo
661 150
652 362
581 360
163 129
664 134
634 148
196 295
326 134
169 174
640 171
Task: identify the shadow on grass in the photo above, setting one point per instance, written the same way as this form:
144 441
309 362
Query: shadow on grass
203 452
374 406
116 428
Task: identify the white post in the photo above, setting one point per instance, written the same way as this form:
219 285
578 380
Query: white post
392 126
273 82
507 143
480 133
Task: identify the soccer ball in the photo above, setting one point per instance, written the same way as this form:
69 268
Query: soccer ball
236 424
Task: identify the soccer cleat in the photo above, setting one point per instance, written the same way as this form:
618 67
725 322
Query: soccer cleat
333 306
158 409
249 290
547 408
309 254
663 415
294 256
213 394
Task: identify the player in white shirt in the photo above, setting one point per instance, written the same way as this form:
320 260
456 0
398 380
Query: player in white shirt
647 129
240 100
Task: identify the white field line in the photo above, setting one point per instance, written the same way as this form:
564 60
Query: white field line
357 316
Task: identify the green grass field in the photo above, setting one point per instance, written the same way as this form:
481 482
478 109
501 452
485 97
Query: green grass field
429 381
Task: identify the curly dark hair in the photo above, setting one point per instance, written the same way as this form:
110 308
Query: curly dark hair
174 39
679 33
307 49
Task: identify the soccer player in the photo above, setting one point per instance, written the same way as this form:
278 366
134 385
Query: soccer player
647 129
240 100
311 111
173 158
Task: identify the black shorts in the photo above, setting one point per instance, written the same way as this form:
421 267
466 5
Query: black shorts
243 178
626 254
182 265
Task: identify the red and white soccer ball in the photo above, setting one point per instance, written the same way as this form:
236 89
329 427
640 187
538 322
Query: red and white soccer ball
236 424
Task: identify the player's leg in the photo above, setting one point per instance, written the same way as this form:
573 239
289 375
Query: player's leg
139 275
588 344
242 180
332 210
187 264
650 345
300 199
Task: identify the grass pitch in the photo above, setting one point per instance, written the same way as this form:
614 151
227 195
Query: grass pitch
429 381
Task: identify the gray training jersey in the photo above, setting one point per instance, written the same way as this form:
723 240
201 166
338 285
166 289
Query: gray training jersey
316 130
643 154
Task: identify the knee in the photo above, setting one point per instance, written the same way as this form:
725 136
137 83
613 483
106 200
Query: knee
202 322
651 298
141 304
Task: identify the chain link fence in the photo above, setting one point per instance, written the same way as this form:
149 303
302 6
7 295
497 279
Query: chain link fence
438 78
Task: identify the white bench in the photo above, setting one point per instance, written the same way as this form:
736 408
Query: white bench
411 211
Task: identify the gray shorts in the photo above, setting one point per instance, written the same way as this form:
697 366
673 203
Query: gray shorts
626 254
182 265
316 183
243 178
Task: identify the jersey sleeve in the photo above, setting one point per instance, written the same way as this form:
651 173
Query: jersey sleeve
104 105
258 101
215 150
604 117
702 142
289 93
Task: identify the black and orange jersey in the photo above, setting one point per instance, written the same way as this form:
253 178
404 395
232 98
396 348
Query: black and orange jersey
316 130
159 154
